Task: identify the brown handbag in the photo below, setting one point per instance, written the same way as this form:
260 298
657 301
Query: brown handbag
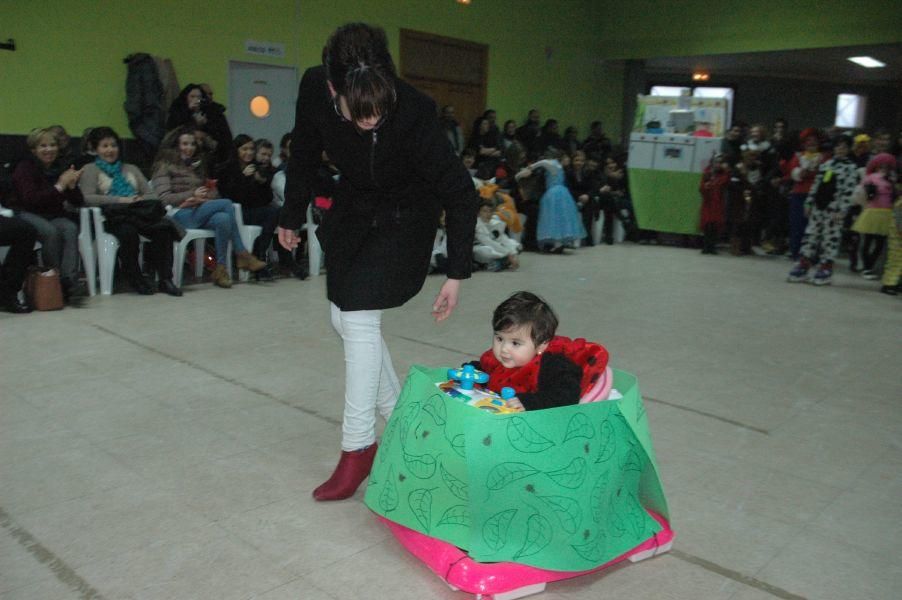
43 289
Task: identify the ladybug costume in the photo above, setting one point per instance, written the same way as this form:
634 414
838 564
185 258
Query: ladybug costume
557 377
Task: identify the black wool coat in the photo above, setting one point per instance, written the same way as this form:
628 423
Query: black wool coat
377 237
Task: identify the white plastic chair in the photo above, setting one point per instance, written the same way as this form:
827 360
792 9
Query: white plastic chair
180 249
314 251
248 233
86 249
598 228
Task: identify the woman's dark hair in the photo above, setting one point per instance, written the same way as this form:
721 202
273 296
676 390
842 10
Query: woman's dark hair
98 134
549 124
506 123
525 308
241 139
361 70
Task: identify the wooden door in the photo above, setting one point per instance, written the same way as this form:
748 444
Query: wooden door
449 70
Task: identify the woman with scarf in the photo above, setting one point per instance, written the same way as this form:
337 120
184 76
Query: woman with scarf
109 181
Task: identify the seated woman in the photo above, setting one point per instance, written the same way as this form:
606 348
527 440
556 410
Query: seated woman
110 181
46 195
180 181
246 182
20 237
194 108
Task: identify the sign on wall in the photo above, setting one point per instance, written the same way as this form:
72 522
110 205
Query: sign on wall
272 49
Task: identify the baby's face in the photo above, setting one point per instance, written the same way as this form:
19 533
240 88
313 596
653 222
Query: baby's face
485 213
514 347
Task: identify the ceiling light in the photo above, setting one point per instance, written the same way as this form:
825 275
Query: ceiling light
867 61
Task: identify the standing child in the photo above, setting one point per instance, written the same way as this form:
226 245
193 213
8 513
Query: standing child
491 245
528 357
713 186
893 269
826 208
559 221
801 171
876 220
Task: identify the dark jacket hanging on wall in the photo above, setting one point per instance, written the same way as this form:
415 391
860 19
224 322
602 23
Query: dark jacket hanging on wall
395 181
144 101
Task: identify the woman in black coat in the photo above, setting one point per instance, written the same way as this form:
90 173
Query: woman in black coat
398 173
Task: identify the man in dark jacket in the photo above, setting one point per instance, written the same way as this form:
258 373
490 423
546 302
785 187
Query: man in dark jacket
398 174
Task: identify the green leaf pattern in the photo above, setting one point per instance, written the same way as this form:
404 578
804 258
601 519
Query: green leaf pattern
608 442
506 473
538 535
457 486
524 438
388 496
567 510
421 466
572 476
456 515
579 427
494 532
420 502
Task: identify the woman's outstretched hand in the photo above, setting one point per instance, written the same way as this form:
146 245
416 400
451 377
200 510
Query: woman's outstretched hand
288 238
446 300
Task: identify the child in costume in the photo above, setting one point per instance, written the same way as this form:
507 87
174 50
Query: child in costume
713 188
876 220
525 355
801 171
893 269
491 245
826 208
559 221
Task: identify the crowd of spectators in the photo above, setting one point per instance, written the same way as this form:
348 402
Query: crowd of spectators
764 193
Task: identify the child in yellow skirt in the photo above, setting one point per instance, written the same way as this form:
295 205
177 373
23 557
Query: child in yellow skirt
876 220
893 269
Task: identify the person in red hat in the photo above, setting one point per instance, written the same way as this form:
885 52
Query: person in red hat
801 171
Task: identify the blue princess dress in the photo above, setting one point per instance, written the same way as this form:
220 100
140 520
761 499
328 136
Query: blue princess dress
559 219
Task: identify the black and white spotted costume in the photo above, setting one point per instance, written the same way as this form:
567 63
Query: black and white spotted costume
824 230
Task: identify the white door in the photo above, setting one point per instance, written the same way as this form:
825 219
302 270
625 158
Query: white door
261 100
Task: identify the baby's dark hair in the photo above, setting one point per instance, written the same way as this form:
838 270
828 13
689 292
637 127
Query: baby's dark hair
525 308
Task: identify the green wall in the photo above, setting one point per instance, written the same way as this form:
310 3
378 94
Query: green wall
645 28
71 76
71 72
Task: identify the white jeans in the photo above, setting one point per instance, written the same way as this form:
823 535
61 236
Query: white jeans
370 380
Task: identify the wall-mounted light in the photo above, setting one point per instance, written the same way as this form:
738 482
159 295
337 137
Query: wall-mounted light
699 76
867 61
466 2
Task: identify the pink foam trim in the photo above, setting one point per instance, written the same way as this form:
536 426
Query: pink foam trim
601 389
454 566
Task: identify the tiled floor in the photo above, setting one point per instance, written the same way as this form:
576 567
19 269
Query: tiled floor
160 448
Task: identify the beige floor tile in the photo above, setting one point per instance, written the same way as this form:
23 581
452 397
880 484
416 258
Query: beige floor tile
167 448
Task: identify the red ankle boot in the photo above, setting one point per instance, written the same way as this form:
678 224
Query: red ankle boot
352 469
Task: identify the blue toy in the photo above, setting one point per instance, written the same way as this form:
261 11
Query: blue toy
467 376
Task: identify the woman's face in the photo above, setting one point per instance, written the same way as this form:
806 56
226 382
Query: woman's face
565 160
194 98
108 149
510 128
187 146
579 159
246 152
47 150
484 126
611 168
264 155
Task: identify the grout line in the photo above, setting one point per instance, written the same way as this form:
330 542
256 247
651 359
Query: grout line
220 376
735 576
42 554
709 415
431 345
